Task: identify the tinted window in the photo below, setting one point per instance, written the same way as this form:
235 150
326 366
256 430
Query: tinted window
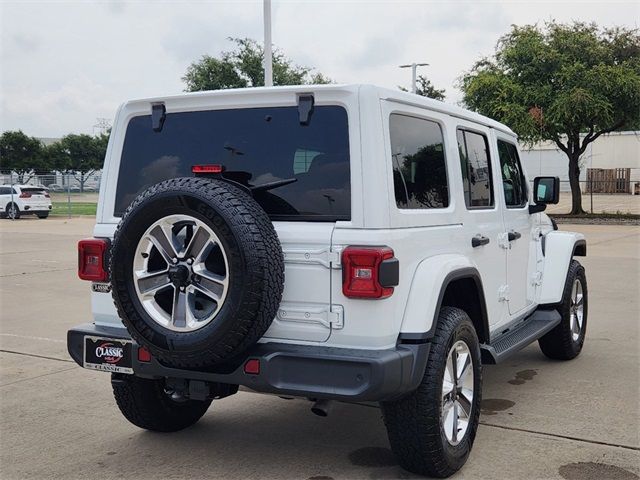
476 169
256 146
5 190
513 180
419 167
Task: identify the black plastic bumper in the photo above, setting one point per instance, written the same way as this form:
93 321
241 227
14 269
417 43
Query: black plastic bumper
297 370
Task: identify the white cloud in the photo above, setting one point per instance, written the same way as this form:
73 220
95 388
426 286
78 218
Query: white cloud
63 64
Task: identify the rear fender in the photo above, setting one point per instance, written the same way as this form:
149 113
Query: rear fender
427 291
559 249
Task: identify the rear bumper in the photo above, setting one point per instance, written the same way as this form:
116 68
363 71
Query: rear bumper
297 370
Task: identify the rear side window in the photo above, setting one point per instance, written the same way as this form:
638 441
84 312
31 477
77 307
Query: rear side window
419 167
513 181
256 146
476 169
5 190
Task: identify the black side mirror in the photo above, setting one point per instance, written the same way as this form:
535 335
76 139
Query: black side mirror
546 190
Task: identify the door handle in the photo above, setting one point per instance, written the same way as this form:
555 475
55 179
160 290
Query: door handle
513 235
478 241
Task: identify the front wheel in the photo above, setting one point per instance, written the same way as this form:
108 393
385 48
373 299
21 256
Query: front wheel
432 430
145 403
565 342
13 212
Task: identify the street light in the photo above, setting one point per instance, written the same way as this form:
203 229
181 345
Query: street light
414 67
268 59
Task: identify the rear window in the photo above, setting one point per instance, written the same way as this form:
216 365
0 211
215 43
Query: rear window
256 146
33 191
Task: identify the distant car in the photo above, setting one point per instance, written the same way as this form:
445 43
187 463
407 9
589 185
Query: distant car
20 200
54 187
74 188
90 188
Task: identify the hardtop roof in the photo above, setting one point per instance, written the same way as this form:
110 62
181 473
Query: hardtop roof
382 92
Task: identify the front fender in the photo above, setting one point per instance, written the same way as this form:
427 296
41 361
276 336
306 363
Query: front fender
559 249
427 289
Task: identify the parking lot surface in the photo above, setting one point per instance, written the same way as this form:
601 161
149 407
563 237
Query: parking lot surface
541 419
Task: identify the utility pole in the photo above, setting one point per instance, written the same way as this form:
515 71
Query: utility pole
414 66
268 57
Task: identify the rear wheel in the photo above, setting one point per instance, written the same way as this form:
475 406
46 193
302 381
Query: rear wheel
432 430
13 211
145 403
565 342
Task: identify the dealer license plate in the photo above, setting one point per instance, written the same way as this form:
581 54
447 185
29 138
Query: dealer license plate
108 354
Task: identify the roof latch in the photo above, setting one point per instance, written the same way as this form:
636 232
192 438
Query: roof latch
158 116
305 108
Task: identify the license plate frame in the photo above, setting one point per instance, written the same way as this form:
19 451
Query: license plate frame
106 354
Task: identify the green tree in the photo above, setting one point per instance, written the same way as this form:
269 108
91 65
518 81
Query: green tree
78 155
242 67
22 155
425 88
566 83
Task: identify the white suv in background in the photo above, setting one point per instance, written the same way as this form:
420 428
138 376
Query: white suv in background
16 200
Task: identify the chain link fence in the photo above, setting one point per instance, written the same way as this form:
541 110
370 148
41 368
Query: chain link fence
71 194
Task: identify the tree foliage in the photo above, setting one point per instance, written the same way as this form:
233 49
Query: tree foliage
80 155
566 83
242 67
425 88
21 154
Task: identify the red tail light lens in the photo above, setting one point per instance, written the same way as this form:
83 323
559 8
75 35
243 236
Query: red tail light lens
144 355
361 272
252 367
46 194
91 259
25 195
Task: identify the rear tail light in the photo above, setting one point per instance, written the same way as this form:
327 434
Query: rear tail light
252 367
25 195
144 355
46 194
92 254
369 272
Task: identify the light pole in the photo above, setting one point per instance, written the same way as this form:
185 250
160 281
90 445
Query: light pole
414 66
268 58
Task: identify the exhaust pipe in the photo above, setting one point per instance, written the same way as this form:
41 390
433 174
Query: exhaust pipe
322 407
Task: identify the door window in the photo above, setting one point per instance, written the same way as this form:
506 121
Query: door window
419 166
476 169
513 179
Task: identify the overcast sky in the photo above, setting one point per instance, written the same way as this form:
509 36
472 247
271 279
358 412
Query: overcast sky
65 63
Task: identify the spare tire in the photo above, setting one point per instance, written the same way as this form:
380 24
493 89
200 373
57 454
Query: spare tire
197 271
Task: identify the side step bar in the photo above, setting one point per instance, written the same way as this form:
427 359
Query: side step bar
528 331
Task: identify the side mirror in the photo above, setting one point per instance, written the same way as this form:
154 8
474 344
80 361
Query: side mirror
546 190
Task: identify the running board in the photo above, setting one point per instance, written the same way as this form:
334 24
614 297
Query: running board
531 329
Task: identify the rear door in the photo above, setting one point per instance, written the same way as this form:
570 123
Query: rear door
298 172
483 217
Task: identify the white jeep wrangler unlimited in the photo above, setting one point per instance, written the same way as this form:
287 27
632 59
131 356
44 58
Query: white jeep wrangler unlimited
335 242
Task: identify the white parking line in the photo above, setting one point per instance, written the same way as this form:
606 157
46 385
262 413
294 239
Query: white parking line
27 337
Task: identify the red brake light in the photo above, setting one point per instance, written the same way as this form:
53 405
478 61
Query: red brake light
207 169
46 194
25 195
91 259
361 268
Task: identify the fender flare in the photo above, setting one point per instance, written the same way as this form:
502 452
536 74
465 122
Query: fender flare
560 247
433 275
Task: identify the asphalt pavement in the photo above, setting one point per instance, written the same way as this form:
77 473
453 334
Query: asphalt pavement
577 420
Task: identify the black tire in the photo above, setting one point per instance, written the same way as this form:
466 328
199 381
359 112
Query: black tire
414 422
256 270
145 404
43 215
559 343
12 211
